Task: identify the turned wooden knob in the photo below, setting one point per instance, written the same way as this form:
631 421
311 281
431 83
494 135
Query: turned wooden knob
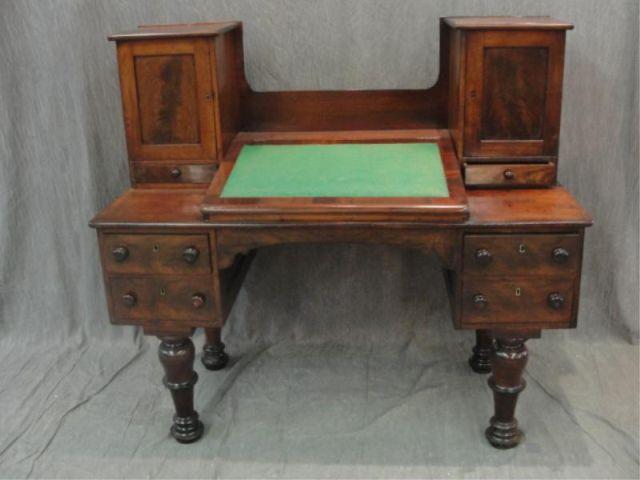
197 300
190 254
120 253
560 255
509 175
175 172
556 300
483 256
479 301
129 299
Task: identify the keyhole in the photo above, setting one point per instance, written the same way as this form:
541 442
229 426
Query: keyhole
518 291
522 248
156 247
163 291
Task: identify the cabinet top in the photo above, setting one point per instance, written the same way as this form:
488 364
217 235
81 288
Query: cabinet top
507 23
144 32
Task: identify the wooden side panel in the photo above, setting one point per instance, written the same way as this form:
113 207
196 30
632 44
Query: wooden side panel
167 99
515 81
231 88
456 88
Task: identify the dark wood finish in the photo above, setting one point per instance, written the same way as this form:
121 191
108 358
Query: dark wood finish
480 361
505 90
510 175
227 60
173 173
177 354
523 254
516 300
507 23
514 93
332 209
213 355
176 30
538 209
167 100
507 363
181 299
152 254
233 241
353 109
523 109
511 257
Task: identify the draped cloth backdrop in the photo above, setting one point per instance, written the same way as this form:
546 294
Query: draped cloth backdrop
344 359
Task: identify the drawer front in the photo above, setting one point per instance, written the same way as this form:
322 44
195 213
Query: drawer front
162 298
168 173
522 254
509 175
150 254
516 300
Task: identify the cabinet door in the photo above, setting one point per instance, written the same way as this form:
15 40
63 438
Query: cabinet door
513 93
167 99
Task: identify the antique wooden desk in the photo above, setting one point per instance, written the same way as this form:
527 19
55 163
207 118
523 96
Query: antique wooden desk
465 170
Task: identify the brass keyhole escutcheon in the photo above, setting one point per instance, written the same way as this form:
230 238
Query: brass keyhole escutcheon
163 291
518 291
156 248
522 248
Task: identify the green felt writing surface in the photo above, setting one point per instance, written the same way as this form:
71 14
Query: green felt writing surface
338 170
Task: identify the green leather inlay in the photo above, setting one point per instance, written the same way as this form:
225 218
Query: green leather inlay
338 170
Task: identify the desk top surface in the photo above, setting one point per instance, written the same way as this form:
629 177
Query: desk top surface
166 208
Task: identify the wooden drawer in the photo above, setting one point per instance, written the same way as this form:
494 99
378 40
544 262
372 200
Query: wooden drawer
173 173
162 298
515 300
510 175
544 254
152 254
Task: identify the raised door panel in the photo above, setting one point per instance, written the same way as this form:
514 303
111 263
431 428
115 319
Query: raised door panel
168 99
513 93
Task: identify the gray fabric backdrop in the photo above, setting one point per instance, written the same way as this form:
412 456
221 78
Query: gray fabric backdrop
345 363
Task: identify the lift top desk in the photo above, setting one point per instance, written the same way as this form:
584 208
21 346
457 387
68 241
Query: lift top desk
465 170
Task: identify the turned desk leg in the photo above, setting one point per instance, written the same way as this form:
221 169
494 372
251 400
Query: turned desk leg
213 354
177 355
508 361
480 361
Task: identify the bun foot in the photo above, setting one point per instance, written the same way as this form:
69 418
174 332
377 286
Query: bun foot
187 429
503 435
214 356
480 361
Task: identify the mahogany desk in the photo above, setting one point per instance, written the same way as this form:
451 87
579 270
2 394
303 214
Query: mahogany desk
465 170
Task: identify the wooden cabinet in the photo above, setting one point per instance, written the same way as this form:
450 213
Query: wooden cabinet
505 96
172 80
